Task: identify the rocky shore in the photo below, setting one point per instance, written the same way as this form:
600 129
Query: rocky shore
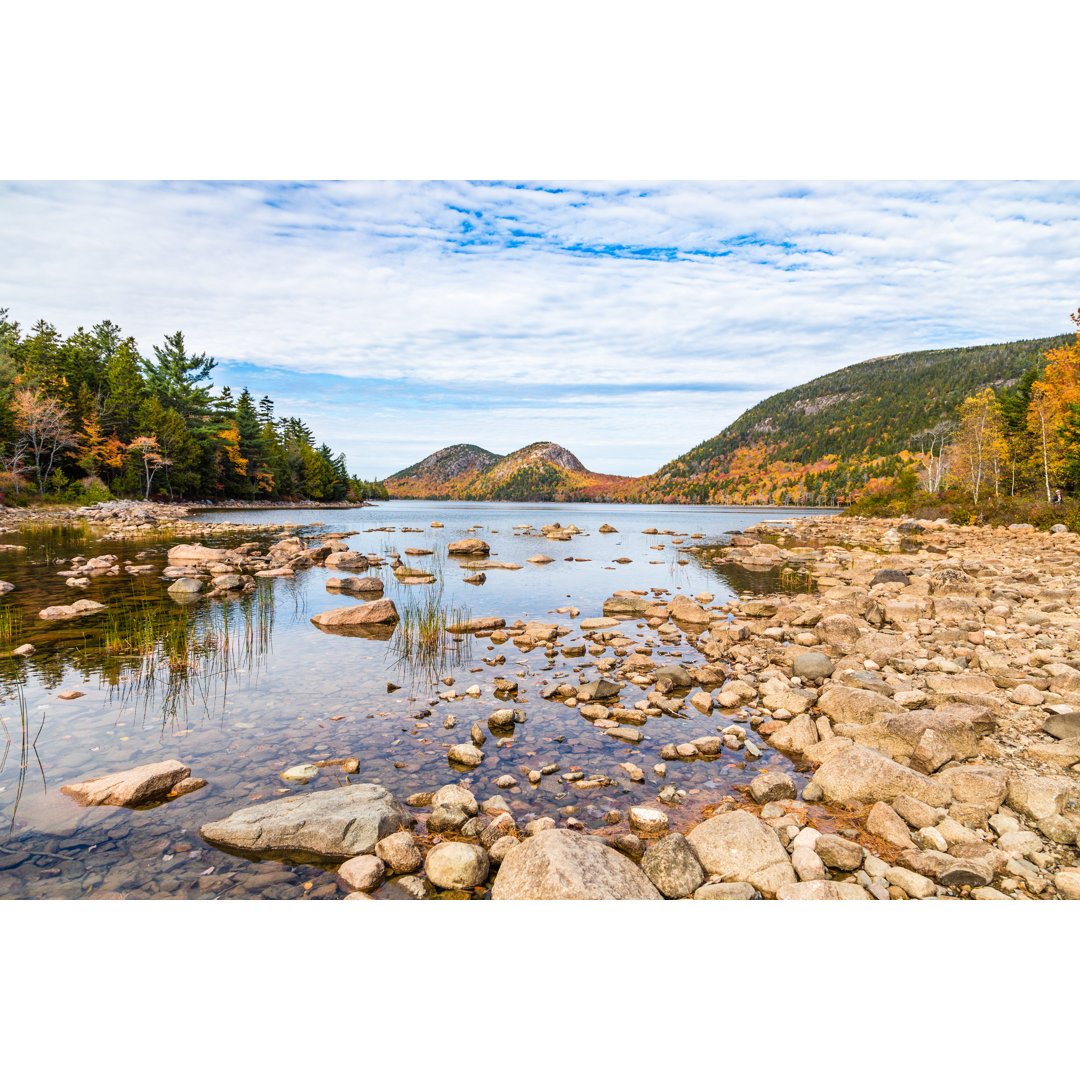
922 681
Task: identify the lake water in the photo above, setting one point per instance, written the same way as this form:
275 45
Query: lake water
284 693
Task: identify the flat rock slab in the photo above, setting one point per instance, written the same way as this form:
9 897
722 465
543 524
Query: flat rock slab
70 611
196 553
344 822
471 626
866 776
133 787
558 864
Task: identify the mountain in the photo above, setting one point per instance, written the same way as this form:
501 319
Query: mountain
540 472
821 441
815 444
451 463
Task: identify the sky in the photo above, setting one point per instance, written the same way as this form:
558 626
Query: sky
627 322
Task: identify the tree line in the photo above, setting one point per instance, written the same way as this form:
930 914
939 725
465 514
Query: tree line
1013 440
88 414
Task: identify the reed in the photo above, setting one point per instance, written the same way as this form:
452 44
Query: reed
423 646
10 624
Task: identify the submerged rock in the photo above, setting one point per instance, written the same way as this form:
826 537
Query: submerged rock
70 611
558 864
346 821
132 787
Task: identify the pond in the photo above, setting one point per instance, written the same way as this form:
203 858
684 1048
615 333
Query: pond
244 689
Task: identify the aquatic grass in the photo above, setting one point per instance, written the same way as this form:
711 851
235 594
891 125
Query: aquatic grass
794 581
10 624
158 654
423 646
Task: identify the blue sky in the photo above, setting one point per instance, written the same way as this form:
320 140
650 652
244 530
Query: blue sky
628 322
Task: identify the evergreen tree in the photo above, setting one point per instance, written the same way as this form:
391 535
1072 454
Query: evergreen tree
178 379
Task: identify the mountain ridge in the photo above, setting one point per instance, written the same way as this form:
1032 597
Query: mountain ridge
817 443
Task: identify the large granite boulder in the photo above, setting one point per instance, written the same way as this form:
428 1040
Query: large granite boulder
858 773
340 823
558 864
740 847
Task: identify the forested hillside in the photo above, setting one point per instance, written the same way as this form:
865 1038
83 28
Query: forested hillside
820 442
90 412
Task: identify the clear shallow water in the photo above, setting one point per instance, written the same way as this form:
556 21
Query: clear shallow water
293 694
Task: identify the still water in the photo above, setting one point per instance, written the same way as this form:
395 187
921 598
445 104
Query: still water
273 691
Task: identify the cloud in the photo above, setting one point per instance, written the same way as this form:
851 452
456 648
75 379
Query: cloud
627 321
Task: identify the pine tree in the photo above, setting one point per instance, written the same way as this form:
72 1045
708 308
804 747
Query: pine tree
177 379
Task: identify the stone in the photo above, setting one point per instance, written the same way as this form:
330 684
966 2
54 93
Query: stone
469 546
465 754
885 822
453 865
648 820
1057 828
671 865
838 853
979 785
847 705
196 553
807 864
132 787
812 666
916 813
1067 883
1020 843
400 852
185 586
355 584
769 787
70 611
726 890
300 774
372 613
472 626
969 872
459 797
342 822
858 773
737 846
501 848
362 873
559 864
809 890
1038 797
1063 725
915 885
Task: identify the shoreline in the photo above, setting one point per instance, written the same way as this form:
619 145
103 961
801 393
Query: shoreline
922 681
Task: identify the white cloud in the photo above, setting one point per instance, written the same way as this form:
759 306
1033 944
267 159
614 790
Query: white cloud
560 288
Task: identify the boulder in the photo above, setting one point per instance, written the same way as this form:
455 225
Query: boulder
846 705
343 822
453 865
812 666
768 787
132 787
558 864
196 553
400 853
469 546
1063 725
1038 797
737 846
885 822
346 560
864 775
70 611
362 873
671 865
471 626
374 612
355 584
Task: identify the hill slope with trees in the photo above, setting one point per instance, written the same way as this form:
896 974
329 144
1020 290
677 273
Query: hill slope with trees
90 412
